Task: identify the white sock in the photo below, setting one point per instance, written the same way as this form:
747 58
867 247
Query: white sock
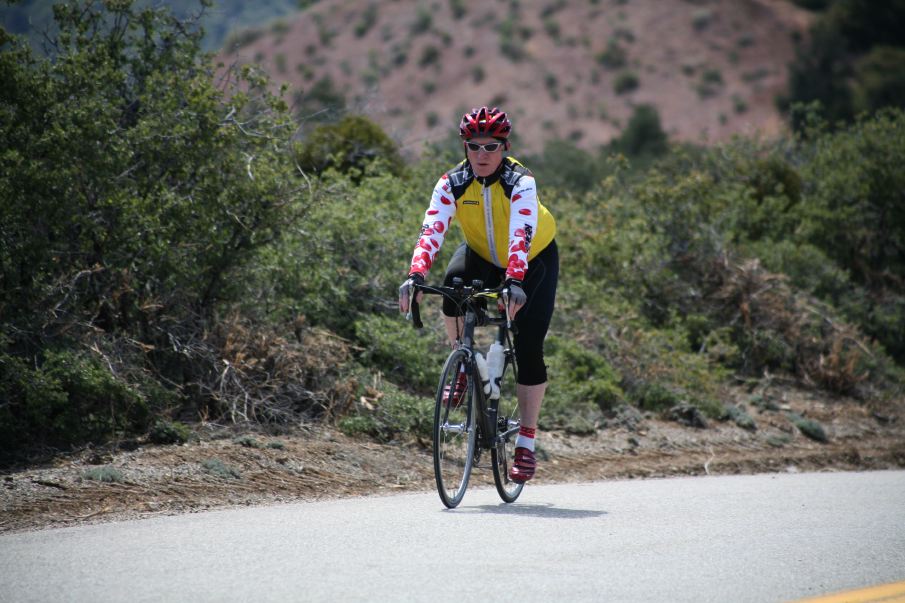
525 438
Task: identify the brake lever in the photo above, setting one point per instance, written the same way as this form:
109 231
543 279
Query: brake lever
408 315
505 296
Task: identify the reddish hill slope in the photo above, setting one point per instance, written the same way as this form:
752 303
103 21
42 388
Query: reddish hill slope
563 69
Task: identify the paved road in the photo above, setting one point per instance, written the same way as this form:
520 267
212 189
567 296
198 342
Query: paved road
738 538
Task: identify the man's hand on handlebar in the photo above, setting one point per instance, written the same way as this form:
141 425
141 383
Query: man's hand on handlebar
405 290
514 296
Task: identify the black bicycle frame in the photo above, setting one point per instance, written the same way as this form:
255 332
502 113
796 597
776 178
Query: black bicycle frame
476 316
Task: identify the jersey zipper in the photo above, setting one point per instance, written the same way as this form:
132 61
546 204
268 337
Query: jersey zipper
488 224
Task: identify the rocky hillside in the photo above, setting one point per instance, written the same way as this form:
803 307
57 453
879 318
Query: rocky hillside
563 69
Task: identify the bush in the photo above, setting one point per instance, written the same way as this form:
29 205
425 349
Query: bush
808 427
851 61
348 146
853 213
563 165
589 377
391 415
643 136
155 187
740 417
218 468
879 80
404 356
68 399
248 441
614 56
626 81
103 474
169 432
367 20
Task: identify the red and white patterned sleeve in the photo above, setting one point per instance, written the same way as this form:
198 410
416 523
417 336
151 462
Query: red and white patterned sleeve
437 220
523 215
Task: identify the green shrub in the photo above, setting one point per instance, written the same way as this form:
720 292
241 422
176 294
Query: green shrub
586 377
740 417
879 80
424 18
367 20
150 233
625 82
614 56
711 82
458 8
169 432
643 136
511 41
403 354
551 26
563 164
218 468
429 56
701 18
70 398
347 146
105 474
320 103
248 441
851 61
778 440
853 213
654 397
244 37
392 415
808 427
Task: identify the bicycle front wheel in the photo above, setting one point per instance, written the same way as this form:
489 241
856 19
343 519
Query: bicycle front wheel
454 429
508 422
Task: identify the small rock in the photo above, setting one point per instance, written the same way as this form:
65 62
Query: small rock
884 419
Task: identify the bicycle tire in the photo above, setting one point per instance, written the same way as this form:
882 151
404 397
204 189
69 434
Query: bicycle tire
508 420
454 432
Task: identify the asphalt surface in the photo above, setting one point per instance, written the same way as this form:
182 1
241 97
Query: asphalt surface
732 538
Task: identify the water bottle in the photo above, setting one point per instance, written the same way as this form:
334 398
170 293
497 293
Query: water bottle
484 371
495 361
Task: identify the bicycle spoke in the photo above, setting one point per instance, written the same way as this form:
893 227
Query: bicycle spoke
454 430
508 421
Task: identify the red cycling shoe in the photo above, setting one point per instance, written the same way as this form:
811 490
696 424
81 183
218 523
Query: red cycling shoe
524 465
458 393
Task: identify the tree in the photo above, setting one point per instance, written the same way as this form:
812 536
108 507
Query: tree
133 191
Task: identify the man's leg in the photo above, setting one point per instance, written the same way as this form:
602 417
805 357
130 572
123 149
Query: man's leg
530 398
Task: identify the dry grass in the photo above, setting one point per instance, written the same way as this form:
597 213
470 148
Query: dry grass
266 377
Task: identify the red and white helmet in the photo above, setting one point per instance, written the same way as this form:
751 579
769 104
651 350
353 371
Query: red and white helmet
485 122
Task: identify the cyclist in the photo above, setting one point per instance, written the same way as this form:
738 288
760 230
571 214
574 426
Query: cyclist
509 239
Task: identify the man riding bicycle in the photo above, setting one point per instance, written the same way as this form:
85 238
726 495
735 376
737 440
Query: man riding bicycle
509 239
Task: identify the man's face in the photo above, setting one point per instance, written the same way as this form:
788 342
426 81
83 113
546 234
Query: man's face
484 162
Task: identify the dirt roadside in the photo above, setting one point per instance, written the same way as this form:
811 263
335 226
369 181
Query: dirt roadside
227 468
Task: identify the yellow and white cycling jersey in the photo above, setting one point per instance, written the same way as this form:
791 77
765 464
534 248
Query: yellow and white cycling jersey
501 217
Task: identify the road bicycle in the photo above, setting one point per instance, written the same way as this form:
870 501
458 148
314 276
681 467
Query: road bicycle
472 421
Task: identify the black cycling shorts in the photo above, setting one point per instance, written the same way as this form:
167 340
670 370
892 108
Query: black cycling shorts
533 319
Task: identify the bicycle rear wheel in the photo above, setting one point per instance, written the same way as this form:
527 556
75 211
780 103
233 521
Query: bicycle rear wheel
508 422
454 430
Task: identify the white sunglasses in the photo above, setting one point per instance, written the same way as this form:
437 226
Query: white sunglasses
490 147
